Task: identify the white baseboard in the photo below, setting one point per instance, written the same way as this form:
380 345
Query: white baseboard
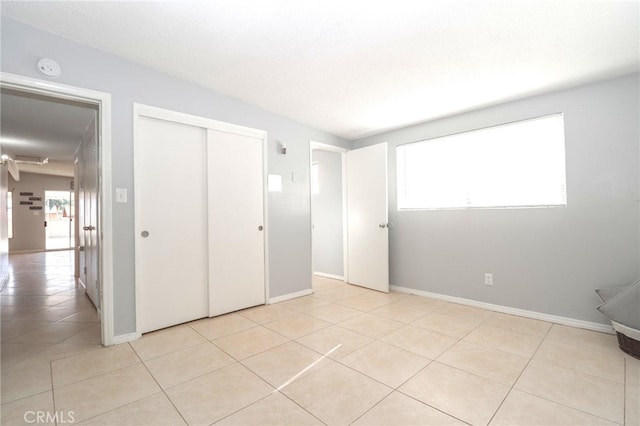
124 338
335 277
572 322
26 251
289 296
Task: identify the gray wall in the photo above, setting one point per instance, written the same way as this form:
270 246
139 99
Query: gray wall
327 214
28 225
127 82
544 260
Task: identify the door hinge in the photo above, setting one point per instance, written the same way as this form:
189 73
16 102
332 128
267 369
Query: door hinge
85 270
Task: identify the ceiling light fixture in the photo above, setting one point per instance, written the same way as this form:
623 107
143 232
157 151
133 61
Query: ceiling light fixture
4 158
34 161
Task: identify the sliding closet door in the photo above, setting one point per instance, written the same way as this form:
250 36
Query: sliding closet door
236 222
171 223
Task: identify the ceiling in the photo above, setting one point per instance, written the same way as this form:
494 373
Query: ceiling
42 127
360 67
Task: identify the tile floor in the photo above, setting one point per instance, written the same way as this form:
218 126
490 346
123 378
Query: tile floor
344 355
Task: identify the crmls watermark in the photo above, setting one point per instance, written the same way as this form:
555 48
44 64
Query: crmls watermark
59 417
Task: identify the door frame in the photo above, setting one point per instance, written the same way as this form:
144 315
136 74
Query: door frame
105 202
318 146
142 110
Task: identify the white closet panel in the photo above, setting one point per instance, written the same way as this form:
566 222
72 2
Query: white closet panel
236 222
171 223
200 237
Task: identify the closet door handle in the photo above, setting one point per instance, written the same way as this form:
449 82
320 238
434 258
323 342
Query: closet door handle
260 228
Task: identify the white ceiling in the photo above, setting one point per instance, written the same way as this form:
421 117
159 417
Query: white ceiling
360 67
42 127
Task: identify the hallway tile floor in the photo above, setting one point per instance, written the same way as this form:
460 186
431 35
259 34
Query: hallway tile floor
344 355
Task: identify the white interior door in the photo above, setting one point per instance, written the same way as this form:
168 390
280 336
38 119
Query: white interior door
171 252
88 214
367 217
236 222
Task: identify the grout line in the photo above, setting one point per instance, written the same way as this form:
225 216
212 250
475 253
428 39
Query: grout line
435 408
53 391
519 375
373 406
164 392
310 366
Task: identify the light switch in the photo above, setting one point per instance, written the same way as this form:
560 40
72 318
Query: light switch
121 195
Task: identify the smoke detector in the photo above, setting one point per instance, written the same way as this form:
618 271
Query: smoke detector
49 67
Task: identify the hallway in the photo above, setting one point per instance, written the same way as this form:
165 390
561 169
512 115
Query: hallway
44 317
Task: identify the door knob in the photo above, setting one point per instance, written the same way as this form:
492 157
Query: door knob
144 234
383 225
88 228
260 228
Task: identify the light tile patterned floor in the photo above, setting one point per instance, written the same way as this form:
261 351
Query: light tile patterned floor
344 355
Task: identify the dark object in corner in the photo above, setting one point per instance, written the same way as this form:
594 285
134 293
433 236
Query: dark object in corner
622 306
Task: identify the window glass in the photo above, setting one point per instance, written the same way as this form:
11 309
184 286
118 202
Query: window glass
519 164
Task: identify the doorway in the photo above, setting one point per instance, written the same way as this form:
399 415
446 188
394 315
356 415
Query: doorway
59 227
101 102
328 211
365 227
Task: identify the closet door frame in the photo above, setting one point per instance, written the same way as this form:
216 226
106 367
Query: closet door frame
141 110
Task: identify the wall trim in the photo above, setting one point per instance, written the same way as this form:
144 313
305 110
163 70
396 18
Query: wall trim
290 296
572 322
124 338
332 276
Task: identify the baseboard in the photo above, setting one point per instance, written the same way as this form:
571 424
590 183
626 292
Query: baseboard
572 322
124 338
289 296
335 277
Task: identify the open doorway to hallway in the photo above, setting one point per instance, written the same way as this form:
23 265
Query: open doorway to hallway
98 192
55 165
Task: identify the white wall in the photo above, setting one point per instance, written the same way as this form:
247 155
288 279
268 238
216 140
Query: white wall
543 260
327 214
127 82
28 225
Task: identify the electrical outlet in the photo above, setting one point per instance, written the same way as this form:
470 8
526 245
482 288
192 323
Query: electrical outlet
488 279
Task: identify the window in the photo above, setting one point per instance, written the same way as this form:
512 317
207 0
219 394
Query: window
10 213
519 164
